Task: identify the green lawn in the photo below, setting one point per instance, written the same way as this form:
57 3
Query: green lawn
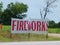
5 35
54 30
6 27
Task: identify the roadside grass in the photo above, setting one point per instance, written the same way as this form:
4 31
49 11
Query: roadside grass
5 35
4 39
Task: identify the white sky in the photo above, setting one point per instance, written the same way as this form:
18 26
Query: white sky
34 8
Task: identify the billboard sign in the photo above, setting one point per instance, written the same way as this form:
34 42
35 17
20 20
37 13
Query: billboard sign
38 26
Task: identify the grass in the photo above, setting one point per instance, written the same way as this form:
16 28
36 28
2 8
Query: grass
50 30
54 30
4 39
5 35
6 27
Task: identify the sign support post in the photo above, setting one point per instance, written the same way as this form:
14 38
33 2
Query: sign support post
10 35
28 36
47 35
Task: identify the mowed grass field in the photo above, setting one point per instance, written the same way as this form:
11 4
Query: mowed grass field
5 35
54 30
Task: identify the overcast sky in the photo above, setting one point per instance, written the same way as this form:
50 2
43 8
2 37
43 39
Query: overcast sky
34 8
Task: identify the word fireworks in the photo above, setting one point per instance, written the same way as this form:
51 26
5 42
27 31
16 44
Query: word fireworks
29 25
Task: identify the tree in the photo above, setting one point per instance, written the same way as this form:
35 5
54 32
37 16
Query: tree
52 24
1 8
58 25
12 11
17 8
0 11
45 10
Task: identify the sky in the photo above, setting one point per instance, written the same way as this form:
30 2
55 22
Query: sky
34 7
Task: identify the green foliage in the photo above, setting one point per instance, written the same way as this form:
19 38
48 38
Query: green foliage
58 25
6 16
12 10
17 8
0 10
52 24
1 6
